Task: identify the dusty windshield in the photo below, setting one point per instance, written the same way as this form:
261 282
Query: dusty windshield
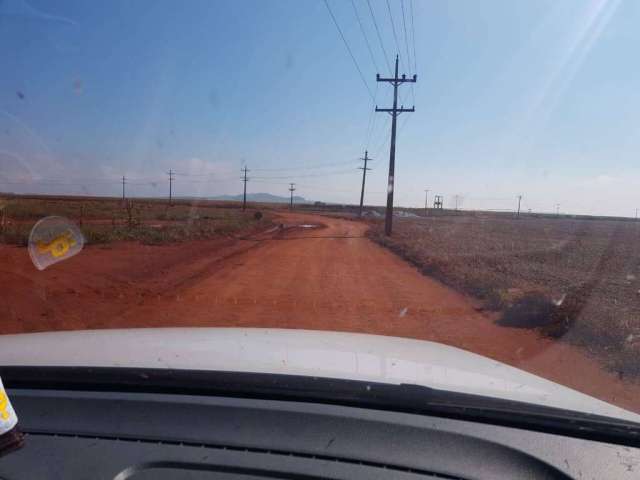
458 172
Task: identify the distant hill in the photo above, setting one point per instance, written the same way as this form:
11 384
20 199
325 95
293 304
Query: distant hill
260 198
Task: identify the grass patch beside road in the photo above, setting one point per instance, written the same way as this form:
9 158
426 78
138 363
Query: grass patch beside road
145 220
570 278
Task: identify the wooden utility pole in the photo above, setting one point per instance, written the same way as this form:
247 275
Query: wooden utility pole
426 202
171 174
557 209
292 188
394 112
364 174
519 200
123 182
244 192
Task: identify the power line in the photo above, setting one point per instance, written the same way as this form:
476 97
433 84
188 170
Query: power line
393 29
349 50
310 175
372 129
384 143
375 64
308 186
413 38
406 44
380 133
76 179
375 23
372 119
208 180
267 182
64 184
366 40
306 167
404 27
404 122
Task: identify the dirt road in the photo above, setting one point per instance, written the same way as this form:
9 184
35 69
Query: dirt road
329 278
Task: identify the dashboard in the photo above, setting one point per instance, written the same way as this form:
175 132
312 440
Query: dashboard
83 434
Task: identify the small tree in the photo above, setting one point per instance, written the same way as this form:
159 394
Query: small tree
131 221
3 218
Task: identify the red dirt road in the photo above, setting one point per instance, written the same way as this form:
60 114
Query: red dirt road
330 278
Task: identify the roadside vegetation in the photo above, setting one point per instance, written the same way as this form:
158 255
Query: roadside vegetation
104 220
574 279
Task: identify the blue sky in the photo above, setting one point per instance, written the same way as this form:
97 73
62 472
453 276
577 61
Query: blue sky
536 98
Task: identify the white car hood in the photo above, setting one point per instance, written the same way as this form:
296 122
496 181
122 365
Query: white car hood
350 356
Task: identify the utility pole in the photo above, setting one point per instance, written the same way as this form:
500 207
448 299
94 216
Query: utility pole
456 202
636 213
244 192
292 188
557 209
426 202
364 174
394 112
171 174
123 182
519 199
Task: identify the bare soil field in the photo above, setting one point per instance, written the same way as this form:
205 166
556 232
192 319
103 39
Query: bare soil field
574 279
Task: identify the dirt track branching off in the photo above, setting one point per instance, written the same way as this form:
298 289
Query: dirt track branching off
578 280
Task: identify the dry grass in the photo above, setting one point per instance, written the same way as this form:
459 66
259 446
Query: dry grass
146 220
572 278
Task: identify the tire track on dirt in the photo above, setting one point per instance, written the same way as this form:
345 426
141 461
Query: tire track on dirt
331 278
336 279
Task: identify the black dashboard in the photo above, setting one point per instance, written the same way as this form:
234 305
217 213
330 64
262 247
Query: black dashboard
118 435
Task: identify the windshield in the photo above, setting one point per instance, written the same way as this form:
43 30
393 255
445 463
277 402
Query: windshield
458 172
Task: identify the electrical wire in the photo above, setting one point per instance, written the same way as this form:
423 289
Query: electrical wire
385 141
413 39
406 44
375 64
404 27
325 174
371 121
349 50
382 131
375 23
393 29
306 167
366 40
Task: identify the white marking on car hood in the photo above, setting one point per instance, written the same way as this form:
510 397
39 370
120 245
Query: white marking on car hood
353 356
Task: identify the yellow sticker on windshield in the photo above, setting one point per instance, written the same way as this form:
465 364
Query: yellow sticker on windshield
8 418
4 406
59 246
52 240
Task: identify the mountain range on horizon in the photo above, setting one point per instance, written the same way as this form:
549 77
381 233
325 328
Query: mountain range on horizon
260 197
